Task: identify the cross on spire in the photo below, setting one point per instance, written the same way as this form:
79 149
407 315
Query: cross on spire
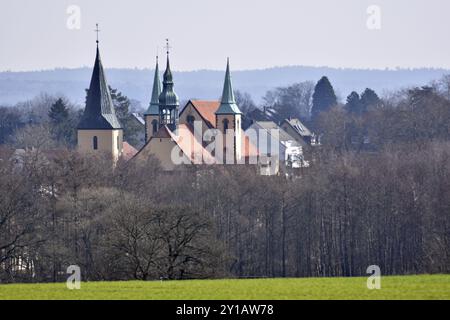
168 47
97 30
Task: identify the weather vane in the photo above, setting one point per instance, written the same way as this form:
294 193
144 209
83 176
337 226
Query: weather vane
97 30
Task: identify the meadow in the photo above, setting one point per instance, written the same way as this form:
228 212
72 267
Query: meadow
392 287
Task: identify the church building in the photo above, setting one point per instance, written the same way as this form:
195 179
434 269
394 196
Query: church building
172 136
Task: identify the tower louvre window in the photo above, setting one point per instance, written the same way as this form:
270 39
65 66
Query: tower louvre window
154 126
225 125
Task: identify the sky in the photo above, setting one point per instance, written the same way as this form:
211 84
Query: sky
255 34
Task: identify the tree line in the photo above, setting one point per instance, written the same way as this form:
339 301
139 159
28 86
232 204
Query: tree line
377 193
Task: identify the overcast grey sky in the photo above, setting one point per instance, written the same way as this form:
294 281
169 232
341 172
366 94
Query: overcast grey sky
254 33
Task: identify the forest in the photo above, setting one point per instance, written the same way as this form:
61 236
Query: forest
377 193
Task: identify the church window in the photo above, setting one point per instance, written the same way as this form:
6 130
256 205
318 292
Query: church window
225 125
154 126
95 142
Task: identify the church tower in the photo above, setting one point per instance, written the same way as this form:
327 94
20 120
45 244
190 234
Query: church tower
99 129
228 119
168 100
151 116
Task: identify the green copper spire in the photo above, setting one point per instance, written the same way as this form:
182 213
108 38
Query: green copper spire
168 99
228 104
153 108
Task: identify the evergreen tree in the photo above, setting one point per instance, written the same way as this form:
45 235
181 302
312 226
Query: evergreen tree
353 104
121 105
58 112
369 99
61 126
324 97
122 108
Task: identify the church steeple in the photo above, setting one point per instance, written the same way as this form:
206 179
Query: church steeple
228 120
228 103
168 99
99 112
153 108
99 129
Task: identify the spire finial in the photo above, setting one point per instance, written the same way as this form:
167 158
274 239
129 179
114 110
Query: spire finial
168 47
97 30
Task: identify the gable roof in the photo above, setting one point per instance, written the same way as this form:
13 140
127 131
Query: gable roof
299 127
270 125
99 111
128 151
186 141
190 146
206 109
138 118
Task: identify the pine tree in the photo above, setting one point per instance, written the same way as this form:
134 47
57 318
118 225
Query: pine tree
60 125
323 98
58 112
353 104
122 106
369 99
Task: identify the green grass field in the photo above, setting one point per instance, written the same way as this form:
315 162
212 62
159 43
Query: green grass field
398 287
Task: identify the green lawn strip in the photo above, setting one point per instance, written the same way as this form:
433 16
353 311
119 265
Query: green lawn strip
393 287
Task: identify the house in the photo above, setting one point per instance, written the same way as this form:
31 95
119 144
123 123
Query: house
298 131
282 151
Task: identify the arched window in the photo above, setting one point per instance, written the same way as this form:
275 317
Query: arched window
225 125
154 126
190 119
95 142
118 145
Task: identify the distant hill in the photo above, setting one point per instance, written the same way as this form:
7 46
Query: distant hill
205 84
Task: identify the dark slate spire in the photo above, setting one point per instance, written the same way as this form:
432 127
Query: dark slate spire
99 112
153 108
228 104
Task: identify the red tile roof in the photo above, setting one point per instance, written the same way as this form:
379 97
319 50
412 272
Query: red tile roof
207 110
190 146
128 151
